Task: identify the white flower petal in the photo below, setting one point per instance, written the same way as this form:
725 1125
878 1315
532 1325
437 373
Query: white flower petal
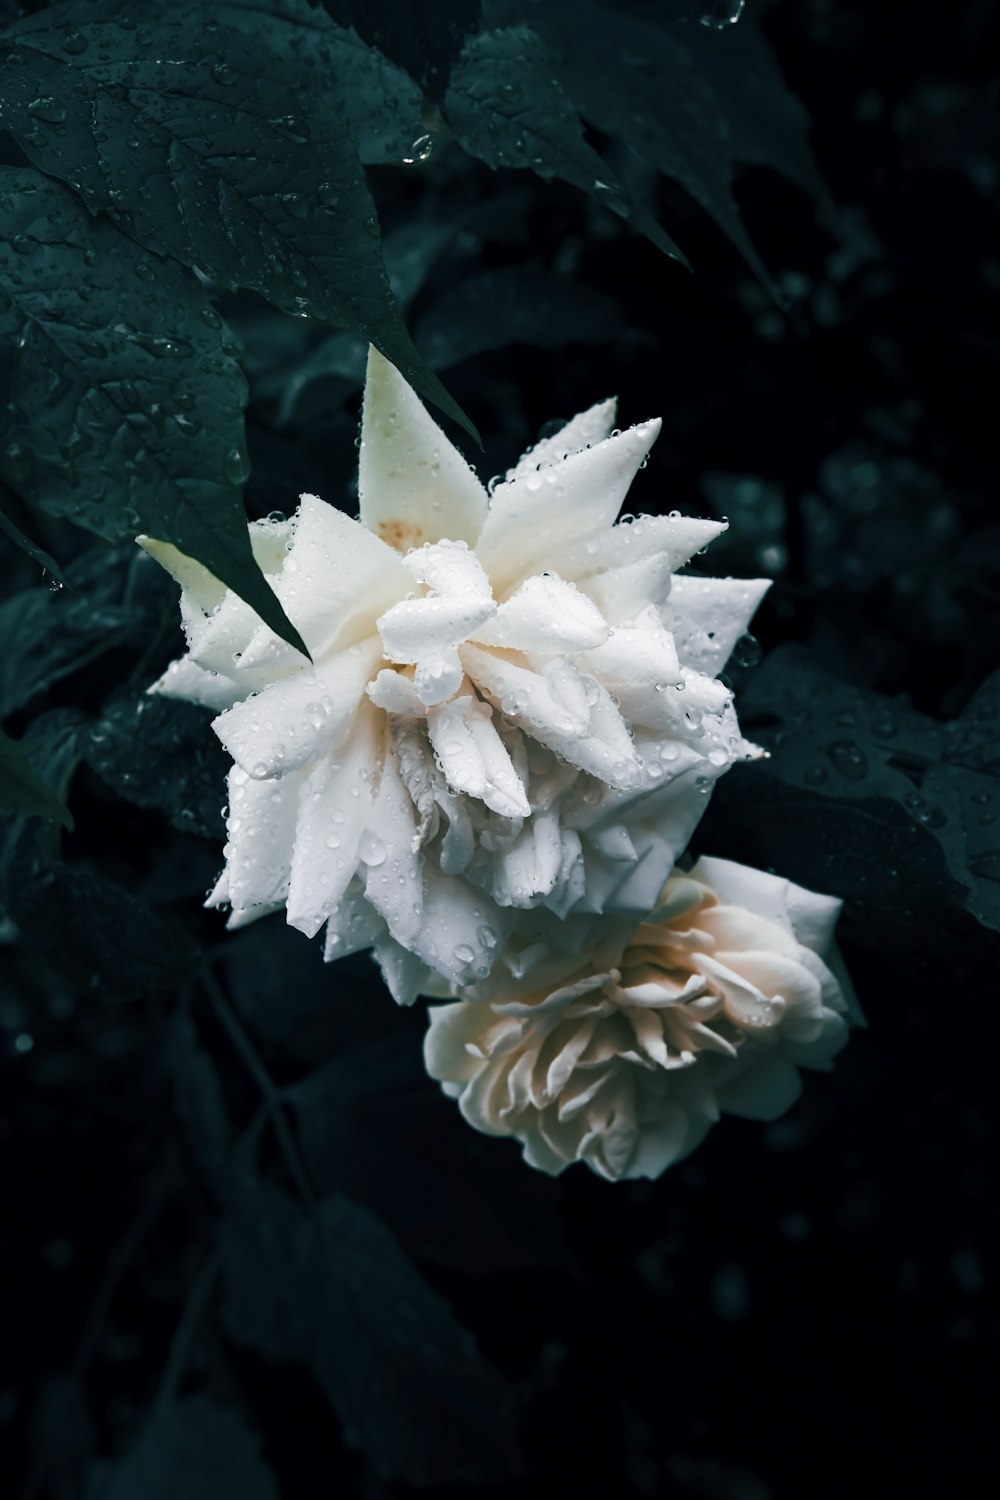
591 426
184 679
415 628
707 616
449 568
389 847
522 695
260 829
535 516
676 538
624 592
300 717
640 653
414 486
395 692
545 614
334 809
353 925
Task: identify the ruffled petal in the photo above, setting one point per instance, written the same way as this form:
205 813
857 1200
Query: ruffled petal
184 679
707 616
389 848
473 756
675 538
336 580
591 426
294 720
334 809
537 515
413 485
545 614
260 829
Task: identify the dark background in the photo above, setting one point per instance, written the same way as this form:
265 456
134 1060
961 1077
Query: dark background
802 1308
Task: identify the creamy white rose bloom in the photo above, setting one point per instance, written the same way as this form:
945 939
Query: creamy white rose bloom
512 700
622 1053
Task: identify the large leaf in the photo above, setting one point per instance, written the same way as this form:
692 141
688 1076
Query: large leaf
381 101
197 1449
424 36
505 107
160 753
185 136
30 549
53 634
22 789
514 306
872 801
333 1288
122 408
85 927
639 82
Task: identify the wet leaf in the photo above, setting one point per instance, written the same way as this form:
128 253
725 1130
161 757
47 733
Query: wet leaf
31 549
332 1286
381 101
499 308
197 1448
209 147
872 801
641 83
423 36
23 790
122 409
506 108
160 753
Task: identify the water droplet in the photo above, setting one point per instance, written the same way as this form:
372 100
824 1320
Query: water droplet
849 759
371 849
145 272
332 841
74 43
48 109
816 775
236 466
464 954
292 128
223 73
419 151
747 652
722 13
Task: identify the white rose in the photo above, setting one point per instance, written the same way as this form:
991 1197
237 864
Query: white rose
511 702
622 1053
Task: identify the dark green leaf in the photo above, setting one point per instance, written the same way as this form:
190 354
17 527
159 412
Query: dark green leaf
186 139
22 789
159 753
53 634
863 797
197 1449
381 101
640 83
333 1286
423 36
128 409
31 549
498 308
768 125
83 925
506 108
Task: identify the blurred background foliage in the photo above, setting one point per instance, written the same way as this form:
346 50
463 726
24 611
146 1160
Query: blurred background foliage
248 1249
